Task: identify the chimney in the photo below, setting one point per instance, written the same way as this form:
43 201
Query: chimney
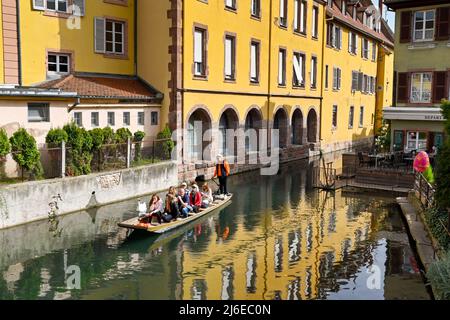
380 6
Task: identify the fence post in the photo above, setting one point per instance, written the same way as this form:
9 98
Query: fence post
128 152
63 159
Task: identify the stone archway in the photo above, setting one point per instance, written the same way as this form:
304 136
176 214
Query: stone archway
280 122
253 123
198 123
297 127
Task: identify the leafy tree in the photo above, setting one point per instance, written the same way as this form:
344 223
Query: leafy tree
5 146
26 153
56 136
138 137
443 167
168 145
109 136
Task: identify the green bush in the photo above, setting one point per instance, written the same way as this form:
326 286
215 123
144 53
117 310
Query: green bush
168 145
98 138
109 136
56 136
439 276
26 153
437 221
5 146
122 135
138 137
80 144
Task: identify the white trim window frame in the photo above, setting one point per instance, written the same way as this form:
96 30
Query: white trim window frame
114 37
421 87
55 5
424 25
60 62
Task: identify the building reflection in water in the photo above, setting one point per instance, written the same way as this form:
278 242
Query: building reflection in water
294 290
278 254
199 289
250 275
227 283
294 246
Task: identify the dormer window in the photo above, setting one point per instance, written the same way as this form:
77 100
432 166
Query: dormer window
354 13
330 3
344 7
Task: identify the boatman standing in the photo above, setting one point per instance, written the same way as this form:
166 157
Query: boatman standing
222 171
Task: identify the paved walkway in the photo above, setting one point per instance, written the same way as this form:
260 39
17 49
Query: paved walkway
418 232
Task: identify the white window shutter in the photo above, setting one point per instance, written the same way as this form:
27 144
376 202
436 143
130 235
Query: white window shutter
356 44
297 61
350 42
280 67
79 7
39 4
282 9
228 53
253 62
302 16
99 35
198 47
295 14
340 38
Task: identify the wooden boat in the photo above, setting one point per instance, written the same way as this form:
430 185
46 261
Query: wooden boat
134 223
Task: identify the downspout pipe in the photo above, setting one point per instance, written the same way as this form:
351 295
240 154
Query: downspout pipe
19 43
269 71
135 37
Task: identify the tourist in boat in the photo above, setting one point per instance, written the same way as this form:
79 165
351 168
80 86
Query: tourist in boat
207 197
222 171
183 202
195 198
185 187
171 210
155 209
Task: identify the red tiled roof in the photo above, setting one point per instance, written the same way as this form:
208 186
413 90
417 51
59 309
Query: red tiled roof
358 25
103 87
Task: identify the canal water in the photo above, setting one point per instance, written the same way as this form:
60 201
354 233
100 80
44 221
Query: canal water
278 239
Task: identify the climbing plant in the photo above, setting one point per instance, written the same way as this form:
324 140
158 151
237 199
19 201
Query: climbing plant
383 140
26 154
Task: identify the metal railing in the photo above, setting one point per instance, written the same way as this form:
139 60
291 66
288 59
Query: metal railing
424 190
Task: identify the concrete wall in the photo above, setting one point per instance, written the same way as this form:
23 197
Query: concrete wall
22 203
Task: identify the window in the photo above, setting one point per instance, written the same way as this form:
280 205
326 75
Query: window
330 3
283 13
424 25
361 116
326 77
334 117
282 67
344 7
254 62
337 43
374 51
94 119
300 14
78 118
199 52
365 48
352 42
330 34
421 87
315 22
351 116
365 84
313 72
38 112
114 37
256 8
336 78
355 80
56 5
416 140
230 4
141 118
299 70
58 63
230 57
126 118
111 119
154 118
354 13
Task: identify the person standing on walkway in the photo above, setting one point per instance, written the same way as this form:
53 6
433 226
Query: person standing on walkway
222 171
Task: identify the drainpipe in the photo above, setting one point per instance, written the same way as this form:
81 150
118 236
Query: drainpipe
269 69
19 44
324 40
135 38
74 105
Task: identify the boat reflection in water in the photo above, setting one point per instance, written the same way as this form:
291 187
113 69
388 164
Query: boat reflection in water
278 239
